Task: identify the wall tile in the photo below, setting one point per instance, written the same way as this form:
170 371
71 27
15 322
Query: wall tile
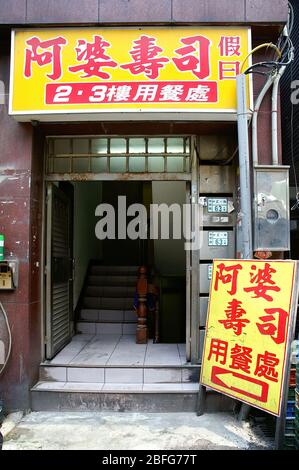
209 10
264 10
12 11
62 11
135 11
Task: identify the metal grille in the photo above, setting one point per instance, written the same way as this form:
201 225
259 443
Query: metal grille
60 315
60 280
106 155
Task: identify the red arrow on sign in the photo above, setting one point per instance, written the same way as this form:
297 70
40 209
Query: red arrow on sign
224 382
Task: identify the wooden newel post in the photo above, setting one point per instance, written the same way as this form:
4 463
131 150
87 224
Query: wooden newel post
142 331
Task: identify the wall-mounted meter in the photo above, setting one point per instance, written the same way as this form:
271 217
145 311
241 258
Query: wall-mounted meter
271 208
9 274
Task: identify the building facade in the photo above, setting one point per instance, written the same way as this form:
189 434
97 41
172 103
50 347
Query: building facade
55 150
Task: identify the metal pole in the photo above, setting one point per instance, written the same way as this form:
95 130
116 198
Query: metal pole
245 186
244 163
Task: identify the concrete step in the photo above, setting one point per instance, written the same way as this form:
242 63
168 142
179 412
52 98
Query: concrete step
112 280
115 270
112 374
106 328
110 291
95 315
107 303
81 396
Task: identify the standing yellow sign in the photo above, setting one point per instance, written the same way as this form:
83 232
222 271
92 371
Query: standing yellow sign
247 331
94 70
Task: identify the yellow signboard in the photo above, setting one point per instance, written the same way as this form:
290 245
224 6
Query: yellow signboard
95 70
247 330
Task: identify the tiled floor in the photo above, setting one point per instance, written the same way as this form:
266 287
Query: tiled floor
114 350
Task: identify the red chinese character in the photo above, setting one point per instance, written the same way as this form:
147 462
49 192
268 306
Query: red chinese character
52 56
95 56
231 276
218 348
241 358
145 60
263 281
228 70
267 328
234 312
265 366
230 46
194 59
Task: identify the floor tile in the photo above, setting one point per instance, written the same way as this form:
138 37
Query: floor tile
85 374
53 373
160 375
128 353
123 375
97 352
162 354
72 349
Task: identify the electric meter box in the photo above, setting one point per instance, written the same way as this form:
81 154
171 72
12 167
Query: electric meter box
205 276
217 243
217 211
271 208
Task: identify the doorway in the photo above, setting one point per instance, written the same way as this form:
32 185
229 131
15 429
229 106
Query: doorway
99 278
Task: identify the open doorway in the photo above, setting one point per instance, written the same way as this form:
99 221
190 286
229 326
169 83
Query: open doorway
101 275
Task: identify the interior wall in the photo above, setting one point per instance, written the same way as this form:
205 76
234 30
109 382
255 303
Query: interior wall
170 255
87 195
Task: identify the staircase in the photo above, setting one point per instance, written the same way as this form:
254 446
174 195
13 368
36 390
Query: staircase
103 368
107 304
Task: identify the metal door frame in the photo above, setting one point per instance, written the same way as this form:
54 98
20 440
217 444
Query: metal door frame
192 257
193 268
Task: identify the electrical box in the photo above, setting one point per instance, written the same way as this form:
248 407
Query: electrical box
217 211
6 277
271 208
217 244
9 274
205 276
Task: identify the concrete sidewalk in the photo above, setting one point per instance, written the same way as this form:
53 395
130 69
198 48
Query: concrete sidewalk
133 431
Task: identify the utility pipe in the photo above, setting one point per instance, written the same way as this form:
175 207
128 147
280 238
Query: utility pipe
275 115
244 162
257 106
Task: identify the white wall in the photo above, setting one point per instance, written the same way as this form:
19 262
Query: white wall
170 255
87 195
